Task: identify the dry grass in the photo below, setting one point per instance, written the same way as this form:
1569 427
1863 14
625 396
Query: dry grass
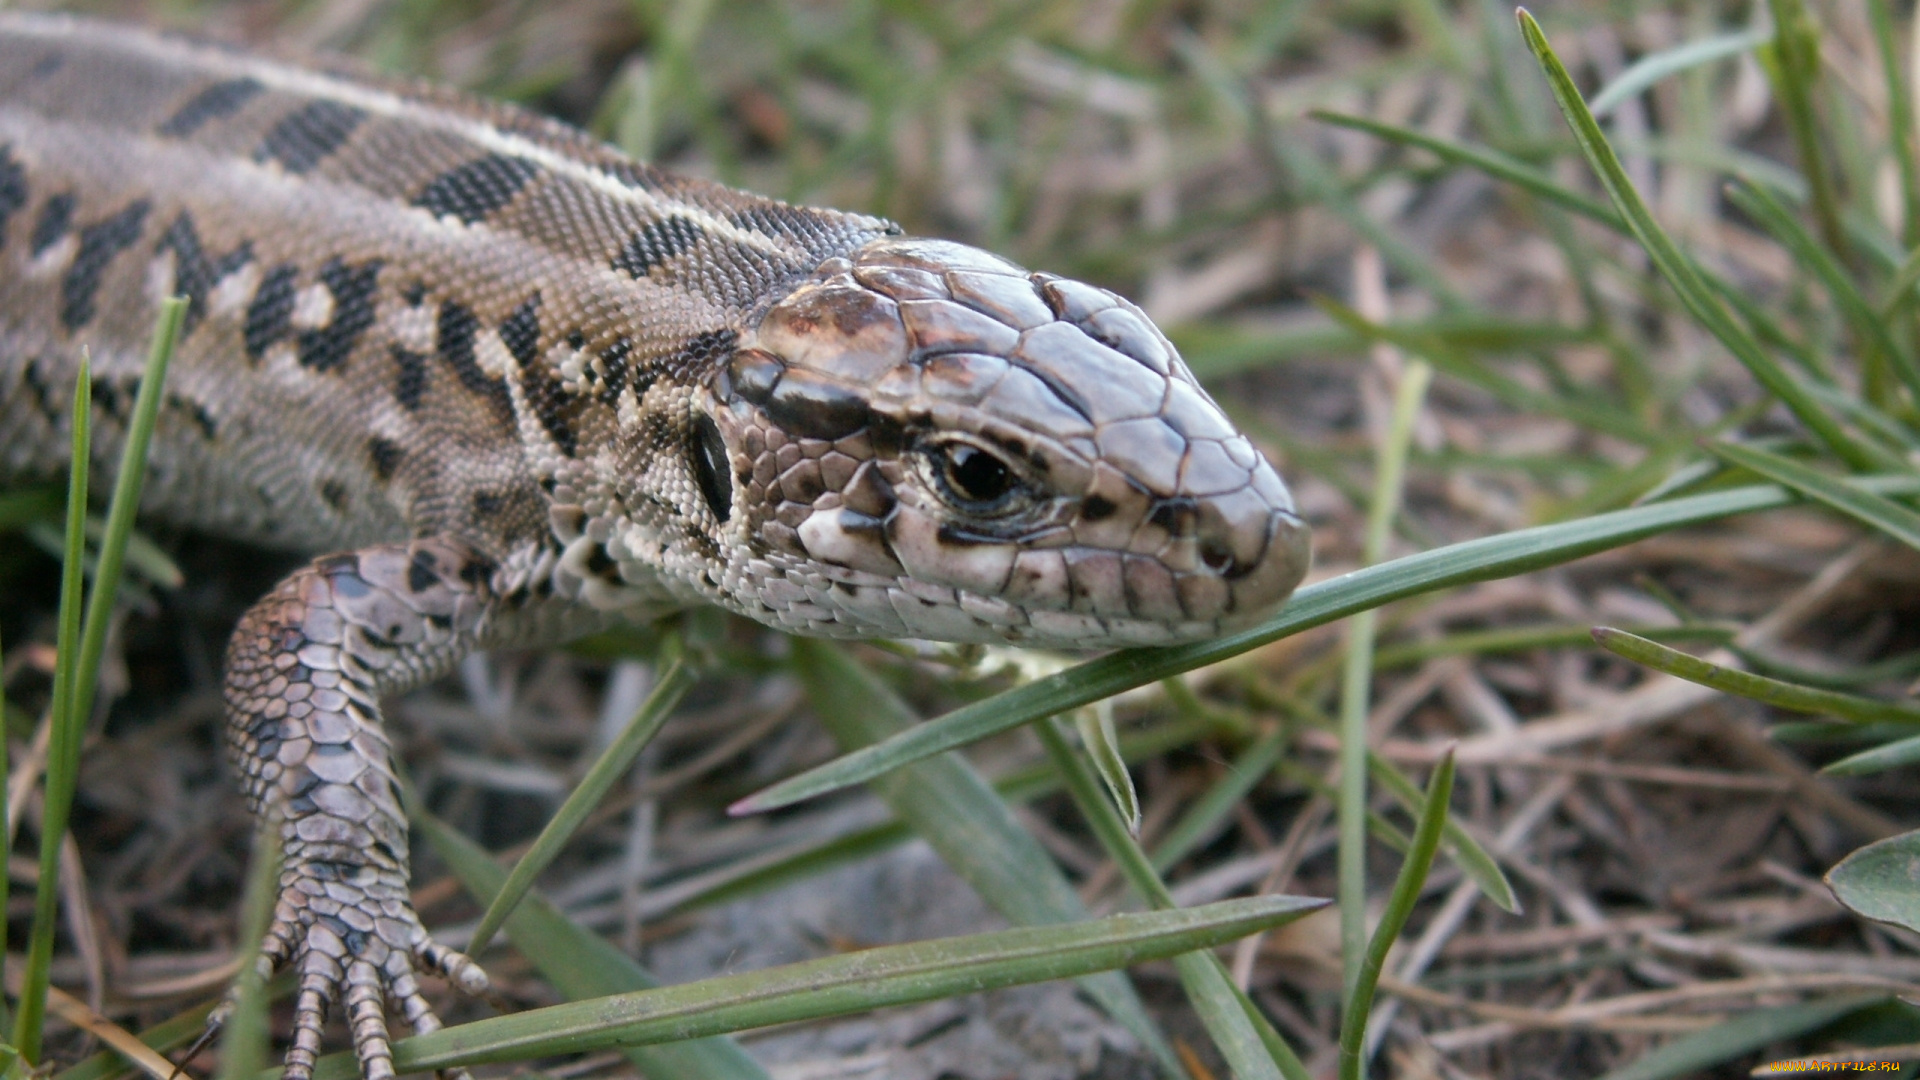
1667 852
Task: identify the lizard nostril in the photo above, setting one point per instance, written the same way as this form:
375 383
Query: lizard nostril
1216 554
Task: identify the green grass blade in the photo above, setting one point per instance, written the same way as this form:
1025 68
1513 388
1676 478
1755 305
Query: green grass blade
245 1037
1241 1033
1879 759
1356 672
6 769
1406 893
838 985
1869 328
1839 493
1474 861
1784 695
964 820
1457 564
1793 62
125 502
1899 117
1492 162
81 645
1679 271
582 965
1655 66
612 764
64 738
1097 737
1699 1053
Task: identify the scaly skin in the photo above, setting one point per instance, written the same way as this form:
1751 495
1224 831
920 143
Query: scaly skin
524 387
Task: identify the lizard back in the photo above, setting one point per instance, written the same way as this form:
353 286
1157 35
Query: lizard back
388 283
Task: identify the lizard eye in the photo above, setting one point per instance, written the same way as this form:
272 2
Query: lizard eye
973 479
710 469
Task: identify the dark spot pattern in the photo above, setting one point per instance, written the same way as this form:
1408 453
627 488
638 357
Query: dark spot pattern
701 356
487 504
198 413
335 494
194 272
55 221
99 244
309 135
409 378
656 242
270 314
613 360
475 189
551 406
385 455
457 328
222 99
421 573
327 348
521 331
13 189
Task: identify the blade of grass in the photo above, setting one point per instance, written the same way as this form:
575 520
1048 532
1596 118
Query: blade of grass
964 820
1839 493
1868 326
6 769
1356 676
836 985
1406 892
244 1035
1474 861
1793 62
57 797
612 764
582 965
1784 695
1899 118
1094 723
1244 1037
1492 162
1655 66
1879 759
1483 559
81 645
1678 270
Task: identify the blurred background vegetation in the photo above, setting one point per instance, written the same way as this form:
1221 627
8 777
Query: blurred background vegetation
1667 852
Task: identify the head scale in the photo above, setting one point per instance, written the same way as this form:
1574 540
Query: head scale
925 440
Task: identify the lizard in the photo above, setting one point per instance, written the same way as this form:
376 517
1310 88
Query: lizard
510 386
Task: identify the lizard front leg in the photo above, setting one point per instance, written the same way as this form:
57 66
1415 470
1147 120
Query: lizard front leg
305 672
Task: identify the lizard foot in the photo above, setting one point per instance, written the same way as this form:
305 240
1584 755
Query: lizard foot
350 932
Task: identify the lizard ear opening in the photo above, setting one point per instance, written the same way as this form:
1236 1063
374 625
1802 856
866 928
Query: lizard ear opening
710 469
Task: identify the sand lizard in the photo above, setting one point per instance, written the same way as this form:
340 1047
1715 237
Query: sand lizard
513 386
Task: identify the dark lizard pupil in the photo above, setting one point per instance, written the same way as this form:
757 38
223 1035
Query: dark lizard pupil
976 475
710 469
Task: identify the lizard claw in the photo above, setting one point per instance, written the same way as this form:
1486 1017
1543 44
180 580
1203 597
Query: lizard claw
350 932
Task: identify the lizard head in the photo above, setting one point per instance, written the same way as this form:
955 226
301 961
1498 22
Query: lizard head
925 440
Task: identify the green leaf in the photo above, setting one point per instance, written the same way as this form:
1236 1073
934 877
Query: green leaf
611 765
1679 271
1315 605
1785 695
837 985
1655 66
582 965
1882 880
1840 493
